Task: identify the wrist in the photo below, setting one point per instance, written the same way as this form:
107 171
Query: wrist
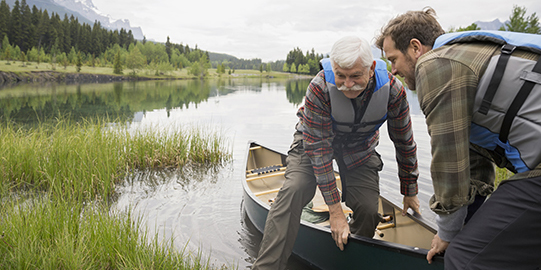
449 225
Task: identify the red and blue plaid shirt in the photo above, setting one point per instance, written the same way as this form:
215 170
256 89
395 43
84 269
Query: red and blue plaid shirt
317 127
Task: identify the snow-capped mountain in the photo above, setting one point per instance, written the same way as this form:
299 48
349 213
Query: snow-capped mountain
89 11
85 11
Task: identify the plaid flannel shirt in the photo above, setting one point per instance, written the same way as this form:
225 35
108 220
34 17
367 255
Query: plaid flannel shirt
317 127
446 82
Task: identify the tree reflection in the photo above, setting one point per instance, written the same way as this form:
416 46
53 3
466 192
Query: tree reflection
121 101
296 90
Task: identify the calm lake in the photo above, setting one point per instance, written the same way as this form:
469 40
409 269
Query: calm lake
201 209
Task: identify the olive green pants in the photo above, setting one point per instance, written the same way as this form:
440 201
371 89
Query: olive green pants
283 220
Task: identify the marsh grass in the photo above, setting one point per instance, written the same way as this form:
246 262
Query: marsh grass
43 234
55 181
84 160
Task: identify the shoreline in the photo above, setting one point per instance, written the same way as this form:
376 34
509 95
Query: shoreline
8 77
90 75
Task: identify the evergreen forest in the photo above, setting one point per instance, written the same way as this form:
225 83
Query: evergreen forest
29 34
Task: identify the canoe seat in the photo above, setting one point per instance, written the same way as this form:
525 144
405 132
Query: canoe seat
265 172
267 169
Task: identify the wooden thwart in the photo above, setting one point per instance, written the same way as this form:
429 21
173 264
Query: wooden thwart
386 226
325 208
267 192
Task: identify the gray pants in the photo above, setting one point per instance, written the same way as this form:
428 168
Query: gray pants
505 233
283 220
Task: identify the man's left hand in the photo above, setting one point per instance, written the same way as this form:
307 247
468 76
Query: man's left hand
437 247
411 202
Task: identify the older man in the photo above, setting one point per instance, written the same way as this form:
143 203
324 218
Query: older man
470 89
345 105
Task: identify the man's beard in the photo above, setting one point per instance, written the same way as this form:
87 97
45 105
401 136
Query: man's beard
410 77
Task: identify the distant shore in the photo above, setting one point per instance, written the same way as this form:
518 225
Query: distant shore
15 72
51 76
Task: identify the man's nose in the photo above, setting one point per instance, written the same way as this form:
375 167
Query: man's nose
349 82
393 70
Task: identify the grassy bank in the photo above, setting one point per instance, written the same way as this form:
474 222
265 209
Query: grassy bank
55 180
18 67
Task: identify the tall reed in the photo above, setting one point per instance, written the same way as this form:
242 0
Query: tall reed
43 234
84 160
54 179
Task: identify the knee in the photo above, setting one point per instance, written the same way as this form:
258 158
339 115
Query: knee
364 209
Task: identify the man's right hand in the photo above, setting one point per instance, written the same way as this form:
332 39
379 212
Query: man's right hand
339 225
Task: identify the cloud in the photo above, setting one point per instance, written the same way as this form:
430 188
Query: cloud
270 29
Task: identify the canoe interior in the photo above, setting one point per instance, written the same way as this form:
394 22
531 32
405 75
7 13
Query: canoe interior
265 175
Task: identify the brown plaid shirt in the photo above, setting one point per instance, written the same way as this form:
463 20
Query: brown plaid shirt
446 82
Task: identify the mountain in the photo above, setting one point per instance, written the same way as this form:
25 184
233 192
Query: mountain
493 25
89 11
85 11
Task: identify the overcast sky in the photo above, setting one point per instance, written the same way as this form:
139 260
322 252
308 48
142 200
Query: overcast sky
269 29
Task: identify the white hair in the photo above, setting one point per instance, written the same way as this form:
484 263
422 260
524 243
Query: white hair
348 50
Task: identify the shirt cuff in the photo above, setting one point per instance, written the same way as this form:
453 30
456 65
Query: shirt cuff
449 225
410 189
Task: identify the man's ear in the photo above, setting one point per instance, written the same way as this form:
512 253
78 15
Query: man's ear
416 47
373 68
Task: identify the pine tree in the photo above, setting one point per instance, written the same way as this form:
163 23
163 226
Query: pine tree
6 48
168 48
5 18
15 24
293 69
117 65
519 23
79 63
27 29
285 68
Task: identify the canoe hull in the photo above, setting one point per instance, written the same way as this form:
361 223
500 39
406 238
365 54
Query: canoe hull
315 245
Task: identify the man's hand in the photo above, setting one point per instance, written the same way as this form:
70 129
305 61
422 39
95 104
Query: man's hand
438 246
339 225
411 202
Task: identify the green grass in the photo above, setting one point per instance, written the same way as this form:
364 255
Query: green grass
18 67
38 233
55 180
85 160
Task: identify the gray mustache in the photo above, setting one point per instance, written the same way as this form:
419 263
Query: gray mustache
353 88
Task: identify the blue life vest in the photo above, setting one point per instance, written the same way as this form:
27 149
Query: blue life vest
361 122
507 109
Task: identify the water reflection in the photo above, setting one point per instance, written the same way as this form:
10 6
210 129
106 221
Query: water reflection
200 208
125 102
296 90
